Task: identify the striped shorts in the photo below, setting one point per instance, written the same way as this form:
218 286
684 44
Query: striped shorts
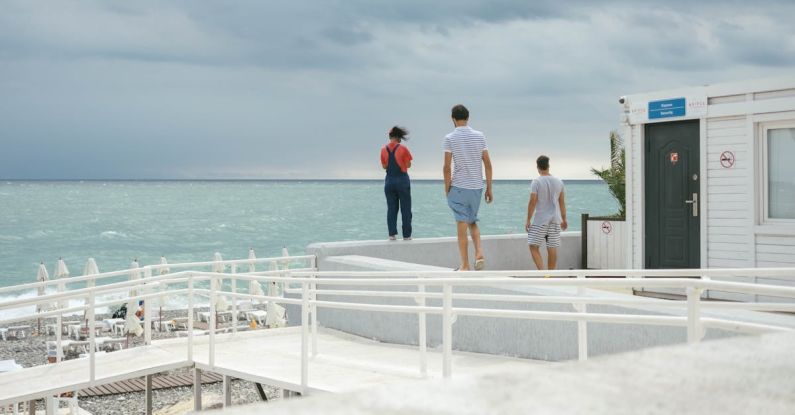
549 233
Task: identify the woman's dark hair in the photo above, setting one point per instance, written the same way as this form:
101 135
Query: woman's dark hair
460 113
398 133
542 162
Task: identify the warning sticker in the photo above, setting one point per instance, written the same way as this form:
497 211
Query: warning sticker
607 227
674 158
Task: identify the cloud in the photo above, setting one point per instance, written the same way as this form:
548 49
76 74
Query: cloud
304 89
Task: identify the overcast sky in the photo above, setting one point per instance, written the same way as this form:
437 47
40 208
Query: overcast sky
294 89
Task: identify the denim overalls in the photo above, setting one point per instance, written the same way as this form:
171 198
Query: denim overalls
397 188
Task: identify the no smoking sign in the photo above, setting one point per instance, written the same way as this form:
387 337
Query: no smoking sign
727 159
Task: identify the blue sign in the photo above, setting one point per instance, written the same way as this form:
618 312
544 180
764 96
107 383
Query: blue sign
667 108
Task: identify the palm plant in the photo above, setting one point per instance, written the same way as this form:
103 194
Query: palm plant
615 175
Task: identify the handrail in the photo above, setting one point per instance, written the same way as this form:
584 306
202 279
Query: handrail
127 272
318 286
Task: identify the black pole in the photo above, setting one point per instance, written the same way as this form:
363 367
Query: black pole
584 240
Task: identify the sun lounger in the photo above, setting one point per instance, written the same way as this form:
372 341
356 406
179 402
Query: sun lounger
18 332
259 316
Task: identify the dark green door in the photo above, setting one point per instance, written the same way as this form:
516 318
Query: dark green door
672 195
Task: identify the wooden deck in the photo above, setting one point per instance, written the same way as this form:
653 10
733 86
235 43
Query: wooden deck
271 357
139 384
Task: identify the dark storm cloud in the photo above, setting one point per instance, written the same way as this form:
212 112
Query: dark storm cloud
306 89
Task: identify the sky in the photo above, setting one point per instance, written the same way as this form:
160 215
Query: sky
308 90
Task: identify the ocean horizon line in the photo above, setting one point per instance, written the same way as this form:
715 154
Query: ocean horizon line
253 180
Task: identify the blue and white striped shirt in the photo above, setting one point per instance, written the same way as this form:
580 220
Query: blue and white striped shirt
467 146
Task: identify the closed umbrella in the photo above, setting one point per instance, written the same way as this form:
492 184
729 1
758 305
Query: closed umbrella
275 314
91 268
133 324
285 262
161 299
220 300
61 273
42 276
252 257
254 287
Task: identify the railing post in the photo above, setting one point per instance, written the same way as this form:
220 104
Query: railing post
694 330
147 308
447 330
233 270
304 338
92 344
313 316
212 323
582 325
423 341
58 336
190 317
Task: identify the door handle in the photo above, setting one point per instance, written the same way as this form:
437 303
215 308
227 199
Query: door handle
694 202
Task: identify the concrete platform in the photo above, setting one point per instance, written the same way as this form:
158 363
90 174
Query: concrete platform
344 362
746 375
272 357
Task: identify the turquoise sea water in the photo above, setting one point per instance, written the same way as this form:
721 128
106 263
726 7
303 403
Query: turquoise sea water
117 221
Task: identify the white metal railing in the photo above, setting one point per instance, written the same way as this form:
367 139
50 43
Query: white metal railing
417 285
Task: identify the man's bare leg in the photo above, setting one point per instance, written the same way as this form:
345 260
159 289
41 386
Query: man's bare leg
463 247
475 232
536 254
552 258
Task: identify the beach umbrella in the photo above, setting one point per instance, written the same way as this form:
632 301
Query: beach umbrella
132 323
275 316
220 300
252 257
218 265
161 299
254 287
285 262
42 276
91 268
61 273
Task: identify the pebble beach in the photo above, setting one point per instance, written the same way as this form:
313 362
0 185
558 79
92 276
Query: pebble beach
32 351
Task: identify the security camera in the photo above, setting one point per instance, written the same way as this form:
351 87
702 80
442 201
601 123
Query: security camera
622 99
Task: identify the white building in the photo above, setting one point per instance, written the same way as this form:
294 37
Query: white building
711 176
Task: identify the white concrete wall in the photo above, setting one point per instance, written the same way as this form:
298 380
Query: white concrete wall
536 339
502 252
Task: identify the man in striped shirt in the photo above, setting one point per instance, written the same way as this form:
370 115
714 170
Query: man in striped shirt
465 150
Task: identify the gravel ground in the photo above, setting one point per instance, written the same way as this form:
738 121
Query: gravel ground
32 351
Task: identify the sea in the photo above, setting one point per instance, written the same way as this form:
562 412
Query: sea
116 222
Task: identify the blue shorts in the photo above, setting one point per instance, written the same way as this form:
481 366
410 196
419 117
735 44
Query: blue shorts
464 203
